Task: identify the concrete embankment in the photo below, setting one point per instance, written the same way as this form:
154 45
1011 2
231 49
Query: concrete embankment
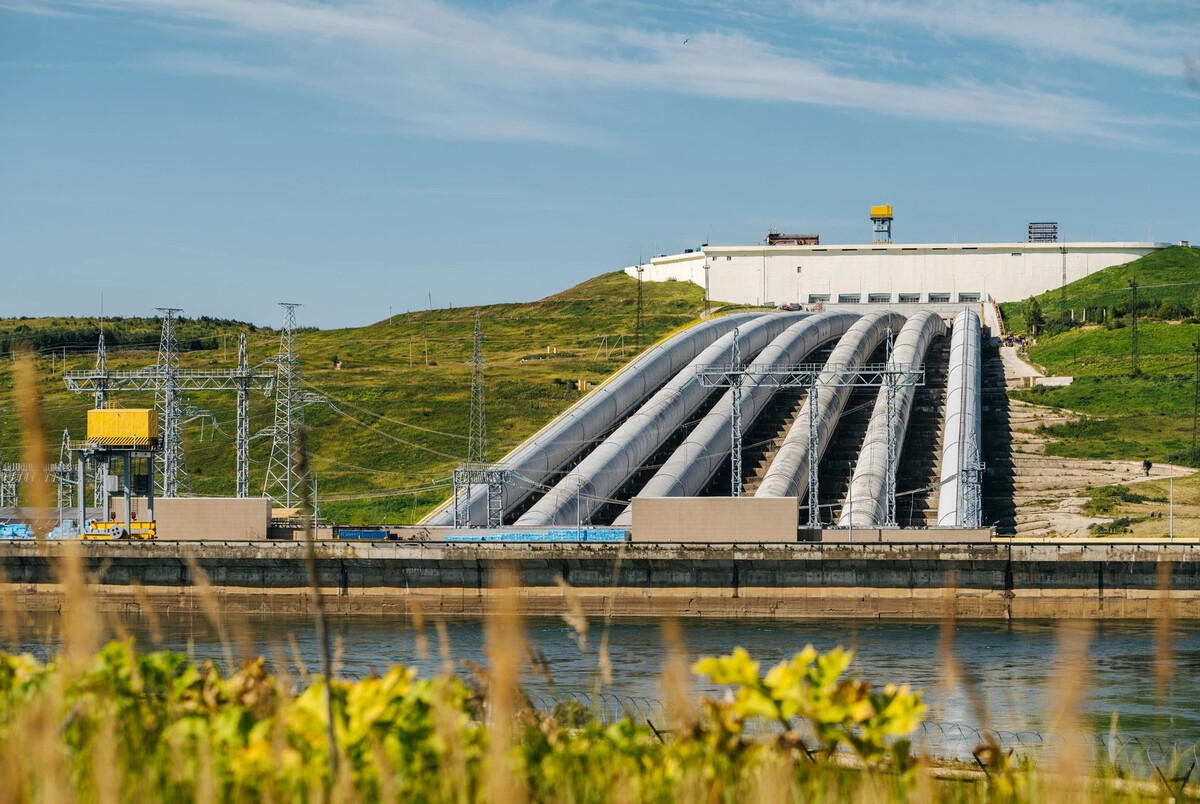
906 581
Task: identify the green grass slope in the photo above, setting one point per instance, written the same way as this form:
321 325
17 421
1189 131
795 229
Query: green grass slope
1148 416
401 423
1171 275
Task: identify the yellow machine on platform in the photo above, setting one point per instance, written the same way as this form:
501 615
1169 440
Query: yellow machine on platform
123 427
116 530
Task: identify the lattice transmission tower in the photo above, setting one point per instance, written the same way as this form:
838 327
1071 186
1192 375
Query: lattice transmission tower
101 400
174 480
282 483
475 470
477 437
167 380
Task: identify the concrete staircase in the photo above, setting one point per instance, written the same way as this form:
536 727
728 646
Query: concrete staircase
837 464
762 442
997 445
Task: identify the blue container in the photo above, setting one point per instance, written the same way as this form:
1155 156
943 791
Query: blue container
16 530
607 535
362 533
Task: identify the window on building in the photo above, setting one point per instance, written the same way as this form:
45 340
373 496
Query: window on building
813 298
849 298
968 298
879 298
729 258
910 298
797 269
939 298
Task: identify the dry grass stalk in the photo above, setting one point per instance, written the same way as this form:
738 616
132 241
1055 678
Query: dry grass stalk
1068 686
146 609
604 661
1164 654
418 619
10 613
954 673
446 724
33 439
676 678
298 657
209 604
574 616
444 647
504 638
310 560
79 626
105 773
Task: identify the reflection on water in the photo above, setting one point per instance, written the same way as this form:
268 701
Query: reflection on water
1012 664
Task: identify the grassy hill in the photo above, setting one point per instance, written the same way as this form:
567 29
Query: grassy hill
1130 417
401 392
1148 416
1170 276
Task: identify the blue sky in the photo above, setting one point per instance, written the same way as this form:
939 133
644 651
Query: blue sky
357 155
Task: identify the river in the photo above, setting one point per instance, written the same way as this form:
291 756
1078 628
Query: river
1012 666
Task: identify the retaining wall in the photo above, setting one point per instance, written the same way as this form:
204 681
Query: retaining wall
911 581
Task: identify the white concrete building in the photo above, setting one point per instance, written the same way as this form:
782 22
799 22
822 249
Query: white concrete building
894 273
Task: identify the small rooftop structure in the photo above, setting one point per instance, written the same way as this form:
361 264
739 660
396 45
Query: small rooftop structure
775 238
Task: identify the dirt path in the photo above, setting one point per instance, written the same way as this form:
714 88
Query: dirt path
1049 491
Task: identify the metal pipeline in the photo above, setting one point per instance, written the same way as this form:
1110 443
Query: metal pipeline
787 475
867 496
588 486
959 504
692 465
572 431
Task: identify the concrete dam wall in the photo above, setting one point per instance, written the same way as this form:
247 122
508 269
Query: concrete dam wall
907 581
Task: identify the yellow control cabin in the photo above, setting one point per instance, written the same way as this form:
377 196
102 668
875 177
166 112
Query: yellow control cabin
123 427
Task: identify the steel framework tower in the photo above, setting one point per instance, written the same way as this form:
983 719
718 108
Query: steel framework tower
475 470
281 483
166 402
101 392
477 438
243 380
102 381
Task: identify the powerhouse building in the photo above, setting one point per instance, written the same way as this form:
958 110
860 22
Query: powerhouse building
794 272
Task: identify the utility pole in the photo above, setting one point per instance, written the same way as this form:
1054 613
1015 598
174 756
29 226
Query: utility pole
707 290
735 389
1171 521
637 336
1134 346
1195 398
1063 293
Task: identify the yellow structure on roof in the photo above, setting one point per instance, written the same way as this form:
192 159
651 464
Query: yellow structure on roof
881 211
123 427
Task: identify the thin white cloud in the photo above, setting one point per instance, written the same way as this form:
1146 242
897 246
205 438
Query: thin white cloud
441 71
1060 28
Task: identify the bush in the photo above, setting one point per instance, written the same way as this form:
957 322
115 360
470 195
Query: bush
1032 312
1119 525
158 727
